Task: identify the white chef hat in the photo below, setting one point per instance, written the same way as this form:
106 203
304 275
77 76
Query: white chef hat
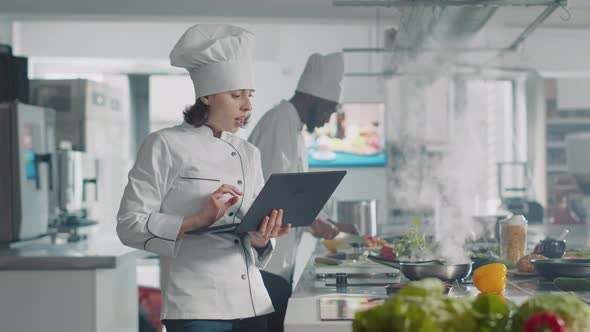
218 58
322 76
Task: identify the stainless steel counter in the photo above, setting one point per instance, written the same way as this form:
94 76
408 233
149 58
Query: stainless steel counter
102 250
303 309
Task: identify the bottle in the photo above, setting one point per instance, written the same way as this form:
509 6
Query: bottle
513 238
340 125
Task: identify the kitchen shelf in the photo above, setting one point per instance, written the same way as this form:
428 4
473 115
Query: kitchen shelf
557 168
556 145
573 121
560 122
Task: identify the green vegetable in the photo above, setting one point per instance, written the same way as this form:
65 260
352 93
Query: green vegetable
424 288
574 312
424 307
492 312
413 242
572 284
580 253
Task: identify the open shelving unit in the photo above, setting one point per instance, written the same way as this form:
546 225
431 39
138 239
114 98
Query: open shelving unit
560 122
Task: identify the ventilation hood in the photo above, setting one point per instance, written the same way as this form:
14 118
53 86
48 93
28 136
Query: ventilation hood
434 33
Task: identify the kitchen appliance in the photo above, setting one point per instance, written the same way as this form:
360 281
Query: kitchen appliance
53 206
362 213
26 170
77 172
77 191
91 116
513 186
85 109
427 269
14 80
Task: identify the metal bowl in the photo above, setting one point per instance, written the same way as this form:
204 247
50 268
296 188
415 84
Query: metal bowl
427 269
553 268
450 272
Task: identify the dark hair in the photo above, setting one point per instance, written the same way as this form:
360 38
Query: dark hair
198 114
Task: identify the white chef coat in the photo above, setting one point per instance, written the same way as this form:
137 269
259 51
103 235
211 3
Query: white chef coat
212 276
280 140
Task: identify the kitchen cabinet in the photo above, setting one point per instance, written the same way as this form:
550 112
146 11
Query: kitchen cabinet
86 286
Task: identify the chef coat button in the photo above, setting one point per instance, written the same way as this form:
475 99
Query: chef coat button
243 277
233 154
236 241
239 181
231 214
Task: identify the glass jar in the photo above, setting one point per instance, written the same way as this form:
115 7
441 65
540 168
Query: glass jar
513 238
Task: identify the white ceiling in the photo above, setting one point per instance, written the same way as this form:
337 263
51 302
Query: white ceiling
267 9
258 10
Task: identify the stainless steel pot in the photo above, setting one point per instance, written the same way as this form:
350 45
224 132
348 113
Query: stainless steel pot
362 213
427 269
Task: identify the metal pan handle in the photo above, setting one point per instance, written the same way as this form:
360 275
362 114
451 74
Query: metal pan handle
389 262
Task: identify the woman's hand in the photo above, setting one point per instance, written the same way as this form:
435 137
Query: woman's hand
269 228
216 206
214 209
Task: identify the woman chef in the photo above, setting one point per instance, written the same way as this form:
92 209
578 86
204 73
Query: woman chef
199 174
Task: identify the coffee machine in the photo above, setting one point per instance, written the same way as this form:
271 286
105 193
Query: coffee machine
26 171
77 190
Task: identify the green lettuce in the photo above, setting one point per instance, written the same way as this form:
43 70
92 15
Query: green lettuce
424 307
574 312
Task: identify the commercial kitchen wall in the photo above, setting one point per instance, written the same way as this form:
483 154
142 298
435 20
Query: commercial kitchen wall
281 53
5 31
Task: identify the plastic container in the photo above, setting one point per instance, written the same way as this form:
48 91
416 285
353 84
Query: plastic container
513 238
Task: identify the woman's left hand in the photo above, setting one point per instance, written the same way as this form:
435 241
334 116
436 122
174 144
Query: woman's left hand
269 227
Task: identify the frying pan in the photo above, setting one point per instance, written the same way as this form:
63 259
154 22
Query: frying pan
553 268
427 269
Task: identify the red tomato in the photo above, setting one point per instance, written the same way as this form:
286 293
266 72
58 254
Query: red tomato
544 321
388 253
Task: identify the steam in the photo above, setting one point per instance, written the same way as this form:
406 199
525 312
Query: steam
447 183
460 176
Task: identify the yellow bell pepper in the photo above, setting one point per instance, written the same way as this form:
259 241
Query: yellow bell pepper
491 278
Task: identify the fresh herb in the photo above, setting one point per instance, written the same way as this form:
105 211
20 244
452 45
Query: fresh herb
412 243
579 253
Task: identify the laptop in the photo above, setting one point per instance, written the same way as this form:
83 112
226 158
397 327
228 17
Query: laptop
300 195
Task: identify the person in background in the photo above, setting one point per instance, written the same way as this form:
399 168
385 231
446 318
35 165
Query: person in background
278 135
199 174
